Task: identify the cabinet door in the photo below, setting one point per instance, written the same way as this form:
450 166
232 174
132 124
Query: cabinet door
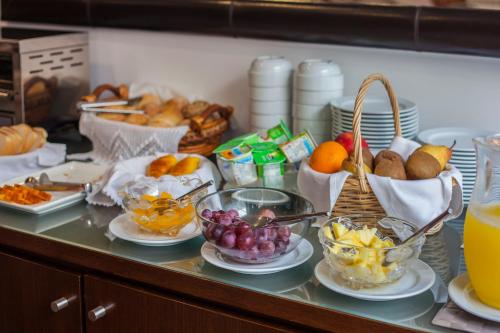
27 291
113 307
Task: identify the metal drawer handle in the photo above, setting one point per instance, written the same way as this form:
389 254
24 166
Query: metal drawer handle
97 313
59 304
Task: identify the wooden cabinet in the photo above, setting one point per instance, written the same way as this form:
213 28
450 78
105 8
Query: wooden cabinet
27 290
133 310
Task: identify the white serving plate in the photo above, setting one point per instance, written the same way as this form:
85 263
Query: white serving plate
123 227
462 293
75 172
378 119
298 256
446 136
374 105
418 279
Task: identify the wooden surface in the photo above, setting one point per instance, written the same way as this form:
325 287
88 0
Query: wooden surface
133 310
26 291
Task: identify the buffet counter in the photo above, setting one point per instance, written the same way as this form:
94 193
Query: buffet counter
113 285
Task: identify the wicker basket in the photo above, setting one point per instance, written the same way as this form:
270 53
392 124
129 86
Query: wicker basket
206 130
356 195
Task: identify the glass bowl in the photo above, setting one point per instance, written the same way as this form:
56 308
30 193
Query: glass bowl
156 211
272 175
380 262
223 216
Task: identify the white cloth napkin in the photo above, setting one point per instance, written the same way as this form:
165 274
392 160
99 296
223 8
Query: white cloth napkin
50 154
107 192
418 201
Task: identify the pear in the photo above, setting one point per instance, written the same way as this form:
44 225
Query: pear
348 165
441 153
421 165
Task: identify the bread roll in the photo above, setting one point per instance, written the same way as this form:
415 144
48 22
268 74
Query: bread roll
137 119
150 104
112 116
29 136
166 119
16 140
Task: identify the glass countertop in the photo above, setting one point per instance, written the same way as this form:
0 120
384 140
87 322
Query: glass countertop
87 226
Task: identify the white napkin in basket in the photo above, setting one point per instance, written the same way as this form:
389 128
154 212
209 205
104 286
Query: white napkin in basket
107 192
13 166
418 201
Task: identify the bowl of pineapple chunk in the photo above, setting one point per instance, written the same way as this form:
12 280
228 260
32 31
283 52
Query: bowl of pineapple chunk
363 252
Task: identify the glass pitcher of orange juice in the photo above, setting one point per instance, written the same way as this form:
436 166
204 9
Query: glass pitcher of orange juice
482 223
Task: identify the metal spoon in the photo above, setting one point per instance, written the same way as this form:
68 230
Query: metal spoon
44 183
455 203
261 221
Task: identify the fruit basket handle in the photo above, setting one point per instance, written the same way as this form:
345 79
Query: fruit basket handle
356 121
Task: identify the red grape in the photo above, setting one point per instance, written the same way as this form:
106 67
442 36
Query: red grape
228 239
281 247
206 213
233 213
284 233
261 235
267 248
217 232
225 219
246 240
272 233
242 228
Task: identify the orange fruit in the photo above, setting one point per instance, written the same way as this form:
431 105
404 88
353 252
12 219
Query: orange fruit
328 157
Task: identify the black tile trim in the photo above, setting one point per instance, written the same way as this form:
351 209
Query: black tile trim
448 30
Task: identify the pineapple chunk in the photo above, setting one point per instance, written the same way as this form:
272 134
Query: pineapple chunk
327 232
339 230
388 243
351 238
366 235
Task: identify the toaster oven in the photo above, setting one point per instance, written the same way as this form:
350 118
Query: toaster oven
43 73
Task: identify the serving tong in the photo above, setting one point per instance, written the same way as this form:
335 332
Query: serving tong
166 202
44 183
101 106
261 221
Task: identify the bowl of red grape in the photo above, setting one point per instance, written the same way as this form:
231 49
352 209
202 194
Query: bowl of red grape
228 222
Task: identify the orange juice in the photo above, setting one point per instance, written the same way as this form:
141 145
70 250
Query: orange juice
482 252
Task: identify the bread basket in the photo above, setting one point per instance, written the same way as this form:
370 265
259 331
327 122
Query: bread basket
357 196
124 140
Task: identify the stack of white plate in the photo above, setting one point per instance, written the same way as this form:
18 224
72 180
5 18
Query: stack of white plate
464 154
377 122
270 92
316 83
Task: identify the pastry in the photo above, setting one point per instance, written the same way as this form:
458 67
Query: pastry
137 119
112 116
165 119
195 108
20 139
161 166
150 104
185 166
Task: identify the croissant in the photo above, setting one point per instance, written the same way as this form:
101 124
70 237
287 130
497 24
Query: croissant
185 166
161 166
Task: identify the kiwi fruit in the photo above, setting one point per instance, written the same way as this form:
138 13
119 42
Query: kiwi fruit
386 153
421 165
390 164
